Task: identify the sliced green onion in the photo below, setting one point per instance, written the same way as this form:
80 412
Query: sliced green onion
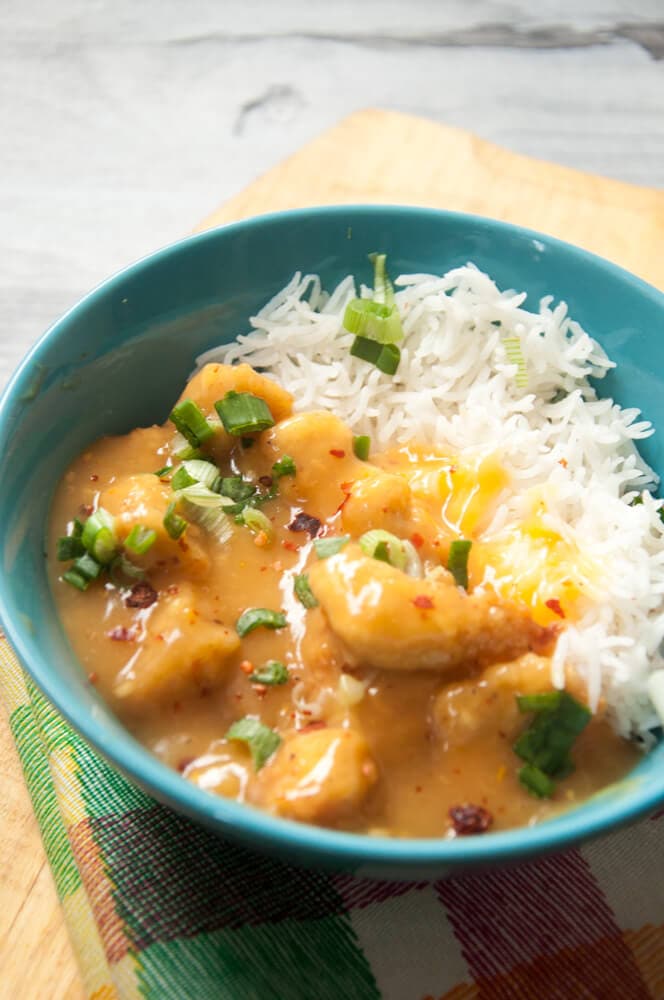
303 591
164 471
87 566
413 562
536 781
140 539
539 702
362 446
69 547
213 520
285 466
261 740
382 290
385 546
123 567
373 321
187 453
326 547
99 536
457 561
547 741
386 357
76 579
273 672
202 472
236 488
174 524
256 521
243 413
191 423
76 528
254 618
199 495
514 354
182 479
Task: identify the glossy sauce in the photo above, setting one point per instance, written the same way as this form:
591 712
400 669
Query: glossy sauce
391 750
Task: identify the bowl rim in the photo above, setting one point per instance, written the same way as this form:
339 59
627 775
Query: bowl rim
243 822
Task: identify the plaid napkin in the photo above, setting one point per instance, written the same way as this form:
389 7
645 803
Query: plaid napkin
159 908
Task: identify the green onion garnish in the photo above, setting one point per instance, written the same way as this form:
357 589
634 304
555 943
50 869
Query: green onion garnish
386 357
254 618
285 466
201 472
373 321
548 740
99 537
256 521
87 566
382 290
243 413
140 539
326 547
385 546
182 479
123 567
539 702
76 579
362 446
174 524
514 354
303 591
457 561
236 488
164 471
536 781
273 672
69 547
191 423
261 740
188 453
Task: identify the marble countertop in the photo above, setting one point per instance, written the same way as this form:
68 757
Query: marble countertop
124 123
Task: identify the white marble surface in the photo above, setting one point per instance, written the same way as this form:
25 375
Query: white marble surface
123 122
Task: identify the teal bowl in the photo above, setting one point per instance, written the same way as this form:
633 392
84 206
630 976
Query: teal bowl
120 356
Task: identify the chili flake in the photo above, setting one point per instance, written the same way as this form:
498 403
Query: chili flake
423 601
337 453
141 595
417 540
554 605
306 522
469 819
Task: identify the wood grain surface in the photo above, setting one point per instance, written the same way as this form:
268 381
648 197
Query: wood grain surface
371 156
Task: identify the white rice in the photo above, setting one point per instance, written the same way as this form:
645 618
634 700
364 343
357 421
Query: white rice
455 387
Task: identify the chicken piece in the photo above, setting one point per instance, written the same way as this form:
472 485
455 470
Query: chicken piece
462 711
318 776
142 500
389 620
182 651
378 500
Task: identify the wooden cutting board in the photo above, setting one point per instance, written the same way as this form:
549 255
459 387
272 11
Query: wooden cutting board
373 156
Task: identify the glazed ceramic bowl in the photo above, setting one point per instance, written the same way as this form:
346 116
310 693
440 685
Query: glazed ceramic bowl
120 356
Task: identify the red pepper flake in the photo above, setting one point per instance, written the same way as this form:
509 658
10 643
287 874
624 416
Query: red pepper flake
422 601
183 545
121 634
311 726
141 595
94 477
93 677
563 462
417 540
470 819
346 490
306 522
291 546
554 605
337 453
260 689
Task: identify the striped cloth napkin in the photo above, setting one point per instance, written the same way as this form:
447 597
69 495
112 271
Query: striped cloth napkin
159 908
